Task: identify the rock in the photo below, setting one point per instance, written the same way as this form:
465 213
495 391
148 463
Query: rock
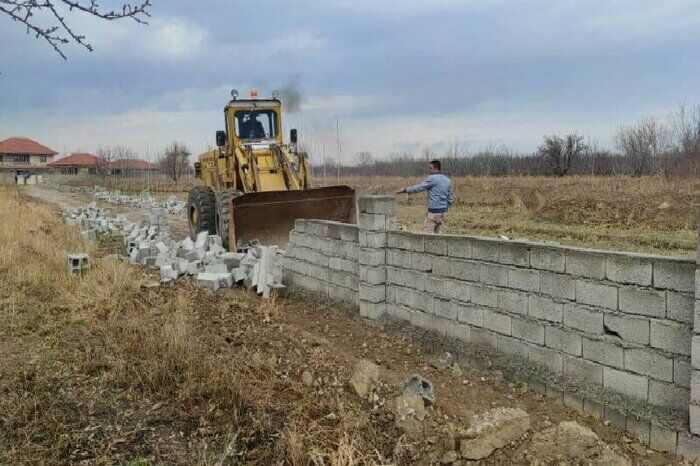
419 385
364 378
456 370
570 442
449 457
409 414
443 361
307 379
492 430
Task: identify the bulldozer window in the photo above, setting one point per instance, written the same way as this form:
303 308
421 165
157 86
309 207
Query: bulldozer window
256 124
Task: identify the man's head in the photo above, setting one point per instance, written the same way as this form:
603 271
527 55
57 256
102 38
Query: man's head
434 166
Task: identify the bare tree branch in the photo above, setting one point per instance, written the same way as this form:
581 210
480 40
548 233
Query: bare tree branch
58 32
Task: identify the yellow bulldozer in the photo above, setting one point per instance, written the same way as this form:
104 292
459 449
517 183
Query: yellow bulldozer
254 186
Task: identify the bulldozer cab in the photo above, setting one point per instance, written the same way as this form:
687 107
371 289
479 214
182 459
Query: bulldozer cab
254 186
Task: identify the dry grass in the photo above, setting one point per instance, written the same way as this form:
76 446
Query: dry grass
97 370
650 214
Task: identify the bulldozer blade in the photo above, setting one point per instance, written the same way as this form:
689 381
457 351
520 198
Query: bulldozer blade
269 216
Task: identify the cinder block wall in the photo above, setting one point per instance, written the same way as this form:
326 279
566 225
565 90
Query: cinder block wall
322 257
622 321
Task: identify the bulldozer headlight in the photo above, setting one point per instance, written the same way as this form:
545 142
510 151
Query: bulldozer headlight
234 93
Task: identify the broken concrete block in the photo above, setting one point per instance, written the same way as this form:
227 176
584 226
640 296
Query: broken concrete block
492 430
167 273
216 268
232 259
208 280
77 264
419 385
278 290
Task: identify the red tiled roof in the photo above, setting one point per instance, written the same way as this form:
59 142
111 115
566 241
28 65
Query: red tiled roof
17 145
132 164
77 160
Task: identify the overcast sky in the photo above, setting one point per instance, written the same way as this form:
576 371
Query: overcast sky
397 75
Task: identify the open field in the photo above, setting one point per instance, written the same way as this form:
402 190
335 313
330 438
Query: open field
649 214
99 370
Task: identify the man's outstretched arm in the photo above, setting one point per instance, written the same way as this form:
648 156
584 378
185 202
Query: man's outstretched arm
418 187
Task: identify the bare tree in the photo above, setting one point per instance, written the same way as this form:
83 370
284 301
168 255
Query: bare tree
175 161
559 153
643 144
365 160
110 154
685 128
57 32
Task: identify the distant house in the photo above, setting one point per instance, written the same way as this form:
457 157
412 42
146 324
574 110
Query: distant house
24 156
79 163
124 166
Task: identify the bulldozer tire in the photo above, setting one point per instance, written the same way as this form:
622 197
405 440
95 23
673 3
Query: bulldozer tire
223 213
201 211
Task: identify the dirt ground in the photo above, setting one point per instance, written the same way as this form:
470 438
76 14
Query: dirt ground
180 375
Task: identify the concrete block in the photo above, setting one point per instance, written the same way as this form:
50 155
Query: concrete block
649 362
596 294
558 286
373 275
695 352
675 274
514 254
376 204
435 324
681 373
561 340
663 439
583 318
372 293
573 401
513 301
603 352
450 289
593 408
615 417
333 229
485 249
582 370
548 258
668 395
458 331
585 263
680 306
484 295
376 257
629 328
546 357
500 323
639 428
372 222
555 393
670 336
650 303
459 247
372 239
632 385
349 233
470 314
512 346
528 330
493 274
688 446
457 268
694 414
395 257
415 300
406 241
445 309
624 268
524 279
545 308
421 261
484 337
371 310
208 280
436 245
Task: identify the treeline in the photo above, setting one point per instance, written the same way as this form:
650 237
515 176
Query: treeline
669 147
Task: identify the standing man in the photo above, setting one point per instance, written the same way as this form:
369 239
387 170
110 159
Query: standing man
439 190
